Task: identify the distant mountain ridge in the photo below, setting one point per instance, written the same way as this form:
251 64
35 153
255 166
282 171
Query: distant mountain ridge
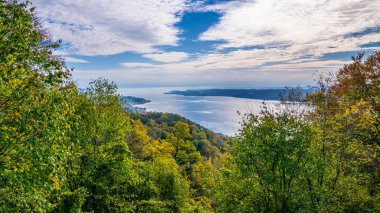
264 94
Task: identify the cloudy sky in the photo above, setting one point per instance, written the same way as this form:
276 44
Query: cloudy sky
210 43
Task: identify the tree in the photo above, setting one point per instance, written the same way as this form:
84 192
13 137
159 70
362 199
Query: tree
35 98
346 118
67 150
101 162
272 156
138 138
360 80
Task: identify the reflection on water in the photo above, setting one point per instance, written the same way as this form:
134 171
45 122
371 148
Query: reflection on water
218 114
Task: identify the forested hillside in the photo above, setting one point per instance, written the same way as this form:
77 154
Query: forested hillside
68 150
161 125
263 94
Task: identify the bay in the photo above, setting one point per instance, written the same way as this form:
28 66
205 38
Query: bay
219 114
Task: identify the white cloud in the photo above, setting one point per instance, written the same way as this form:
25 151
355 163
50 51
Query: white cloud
309 64
134 65
168 56
293 34
248 60
293 29
293 22
99 27
221 7
75 60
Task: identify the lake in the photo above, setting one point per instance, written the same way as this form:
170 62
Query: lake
218 114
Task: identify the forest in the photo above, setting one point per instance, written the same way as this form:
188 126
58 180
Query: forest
63 149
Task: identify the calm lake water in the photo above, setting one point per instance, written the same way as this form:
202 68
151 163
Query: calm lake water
218 114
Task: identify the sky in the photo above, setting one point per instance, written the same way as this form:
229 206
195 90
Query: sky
210 43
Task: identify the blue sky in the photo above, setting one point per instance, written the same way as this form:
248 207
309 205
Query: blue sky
214 43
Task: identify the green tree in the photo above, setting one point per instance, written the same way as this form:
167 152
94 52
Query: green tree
101 163
35 98
272 156
346 118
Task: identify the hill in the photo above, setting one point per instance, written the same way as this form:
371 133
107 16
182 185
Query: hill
160 125
264 94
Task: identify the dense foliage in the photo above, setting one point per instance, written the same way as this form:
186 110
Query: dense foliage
319 157
68 150
160 125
